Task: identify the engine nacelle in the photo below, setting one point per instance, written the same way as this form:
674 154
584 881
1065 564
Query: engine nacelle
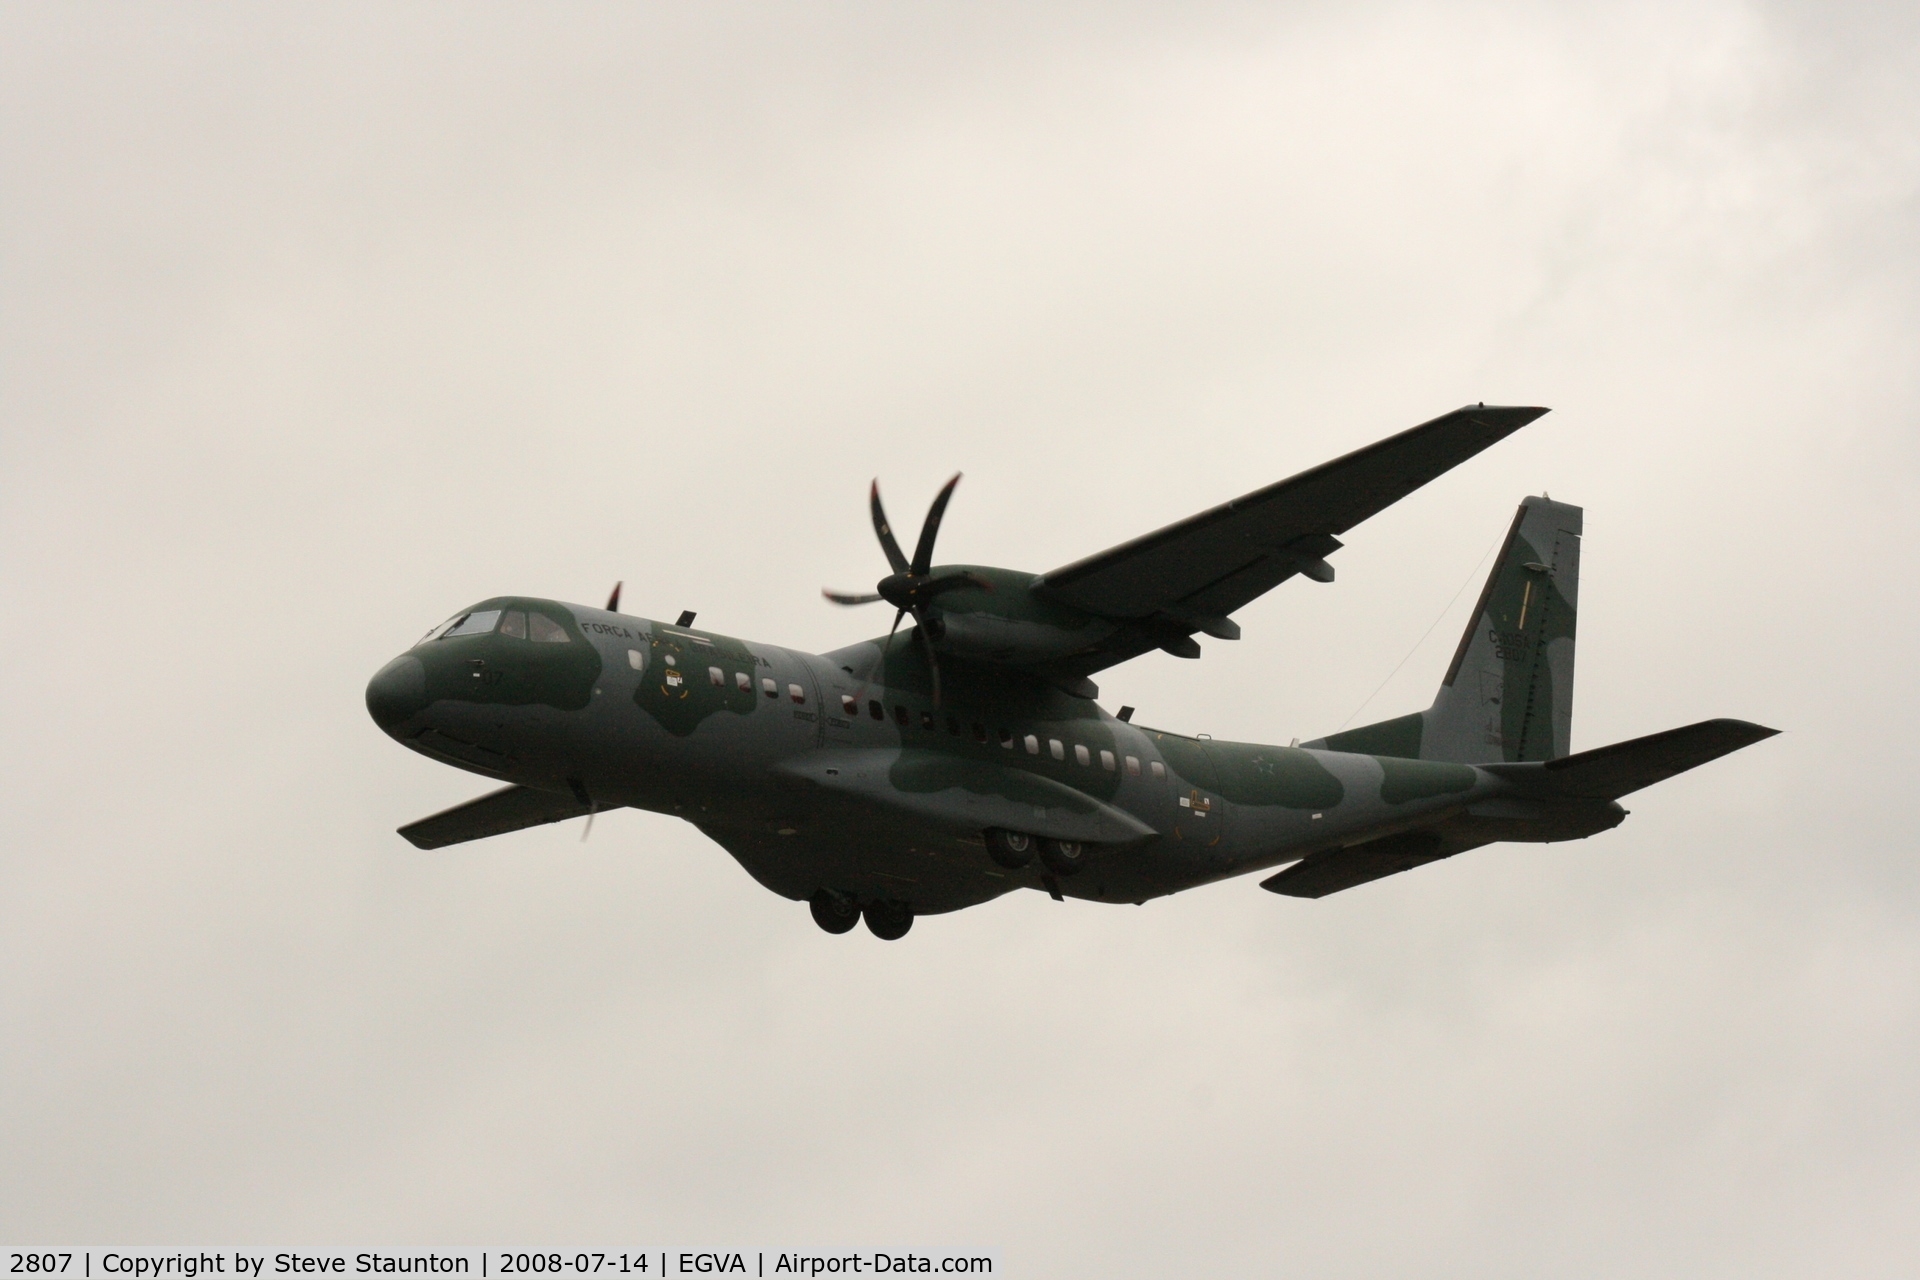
1002 620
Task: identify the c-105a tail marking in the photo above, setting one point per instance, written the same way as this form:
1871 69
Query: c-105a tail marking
966 755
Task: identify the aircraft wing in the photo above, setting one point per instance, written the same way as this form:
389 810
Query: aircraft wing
496 813
1189 576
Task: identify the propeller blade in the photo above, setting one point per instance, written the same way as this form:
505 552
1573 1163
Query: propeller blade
881 527
895 627
613 601
926 645
588 829
923 553
841 597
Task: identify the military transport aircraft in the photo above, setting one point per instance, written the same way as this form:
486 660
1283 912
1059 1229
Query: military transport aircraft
942 766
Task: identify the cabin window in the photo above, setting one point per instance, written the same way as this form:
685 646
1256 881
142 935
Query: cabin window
635 659
514 624
874 709
901 716
849 705
798 694
743 682
979 732
1080 754
477 623
1159 770
1006 738
1059 751
1133 766
953 724
717 677
769 687
926 721
544 630
1106 761
1033 745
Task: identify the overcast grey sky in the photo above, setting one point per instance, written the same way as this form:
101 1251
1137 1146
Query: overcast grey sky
317 324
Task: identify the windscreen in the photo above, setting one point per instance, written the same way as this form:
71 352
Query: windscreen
472 623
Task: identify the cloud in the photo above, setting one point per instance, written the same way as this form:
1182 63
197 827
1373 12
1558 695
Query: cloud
321 324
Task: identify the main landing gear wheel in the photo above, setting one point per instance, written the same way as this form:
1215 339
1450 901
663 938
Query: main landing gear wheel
834 912
889 921
1011 849
1063 857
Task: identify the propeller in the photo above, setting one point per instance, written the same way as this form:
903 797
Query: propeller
912 586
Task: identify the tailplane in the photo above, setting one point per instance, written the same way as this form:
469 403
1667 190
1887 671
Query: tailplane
1607 773
1508 695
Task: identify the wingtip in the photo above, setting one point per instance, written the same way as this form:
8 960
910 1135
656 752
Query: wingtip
1516 415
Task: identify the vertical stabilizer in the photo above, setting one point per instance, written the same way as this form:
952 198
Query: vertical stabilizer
1508 694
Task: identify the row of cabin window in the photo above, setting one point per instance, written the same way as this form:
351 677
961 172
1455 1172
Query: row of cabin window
768 685
741 680
904 718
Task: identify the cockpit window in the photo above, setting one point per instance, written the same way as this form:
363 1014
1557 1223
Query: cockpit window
514 624
436 633
479 622
545 630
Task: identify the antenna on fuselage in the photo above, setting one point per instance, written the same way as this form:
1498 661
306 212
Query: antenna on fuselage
613 601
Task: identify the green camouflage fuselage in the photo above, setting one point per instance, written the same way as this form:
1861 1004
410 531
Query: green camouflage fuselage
836 772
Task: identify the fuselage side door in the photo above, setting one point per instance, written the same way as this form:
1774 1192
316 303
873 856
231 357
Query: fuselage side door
839 696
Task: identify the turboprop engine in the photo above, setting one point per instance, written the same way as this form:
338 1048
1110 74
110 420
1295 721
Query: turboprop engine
971 611
998 617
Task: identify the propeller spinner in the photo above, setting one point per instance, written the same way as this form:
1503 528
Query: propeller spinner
912 586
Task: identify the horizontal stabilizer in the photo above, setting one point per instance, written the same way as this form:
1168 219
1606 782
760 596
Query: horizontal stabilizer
494 814
1608 773
1338 869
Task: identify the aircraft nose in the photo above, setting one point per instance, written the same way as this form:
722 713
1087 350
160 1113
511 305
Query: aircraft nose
397 690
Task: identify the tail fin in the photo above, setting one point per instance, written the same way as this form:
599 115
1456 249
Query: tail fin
1508 695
